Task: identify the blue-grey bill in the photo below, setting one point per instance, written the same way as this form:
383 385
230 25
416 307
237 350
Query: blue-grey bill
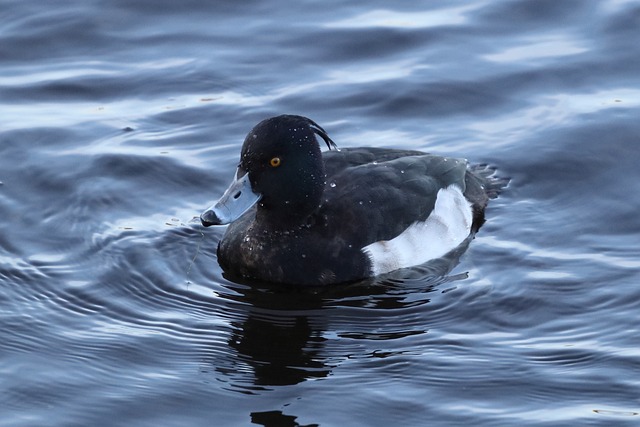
235 201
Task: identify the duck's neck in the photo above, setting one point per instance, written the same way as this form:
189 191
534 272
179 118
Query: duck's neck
286 218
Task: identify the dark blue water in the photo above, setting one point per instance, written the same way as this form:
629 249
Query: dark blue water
120 121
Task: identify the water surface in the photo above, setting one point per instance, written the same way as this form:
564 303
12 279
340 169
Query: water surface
121 121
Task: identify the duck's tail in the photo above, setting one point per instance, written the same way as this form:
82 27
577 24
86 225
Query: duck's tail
486 176
482 184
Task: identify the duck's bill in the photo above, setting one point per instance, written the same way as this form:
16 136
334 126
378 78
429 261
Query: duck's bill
238 199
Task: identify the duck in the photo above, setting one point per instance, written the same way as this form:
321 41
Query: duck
300 216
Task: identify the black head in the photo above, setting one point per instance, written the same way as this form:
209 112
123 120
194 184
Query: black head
283 160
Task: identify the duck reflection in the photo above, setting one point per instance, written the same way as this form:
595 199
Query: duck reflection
281 337
287 334
276 418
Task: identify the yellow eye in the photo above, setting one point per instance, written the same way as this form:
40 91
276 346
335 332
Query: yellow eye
275 162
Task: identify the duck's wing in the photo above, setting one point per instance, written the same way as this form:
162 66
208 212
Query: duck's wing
375 194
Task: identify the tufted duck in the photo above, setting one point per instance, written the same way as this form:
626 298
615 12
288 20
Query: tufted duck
301 216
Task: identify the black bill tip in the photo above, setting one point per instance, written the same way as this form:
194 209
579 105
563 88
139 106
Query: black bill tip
209 218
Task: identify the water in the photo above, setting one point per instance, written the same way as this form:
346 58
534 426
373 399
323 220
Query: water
121 121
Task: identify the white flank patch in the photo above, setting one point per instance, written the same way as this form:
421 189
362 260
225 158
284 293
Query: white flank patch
447 226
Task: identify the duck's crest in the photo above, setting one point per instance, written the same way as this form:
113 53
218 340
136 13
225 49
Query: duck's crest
322 133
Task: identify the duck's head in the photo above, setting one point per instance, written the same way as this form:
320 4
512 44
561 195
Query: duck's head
280 168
